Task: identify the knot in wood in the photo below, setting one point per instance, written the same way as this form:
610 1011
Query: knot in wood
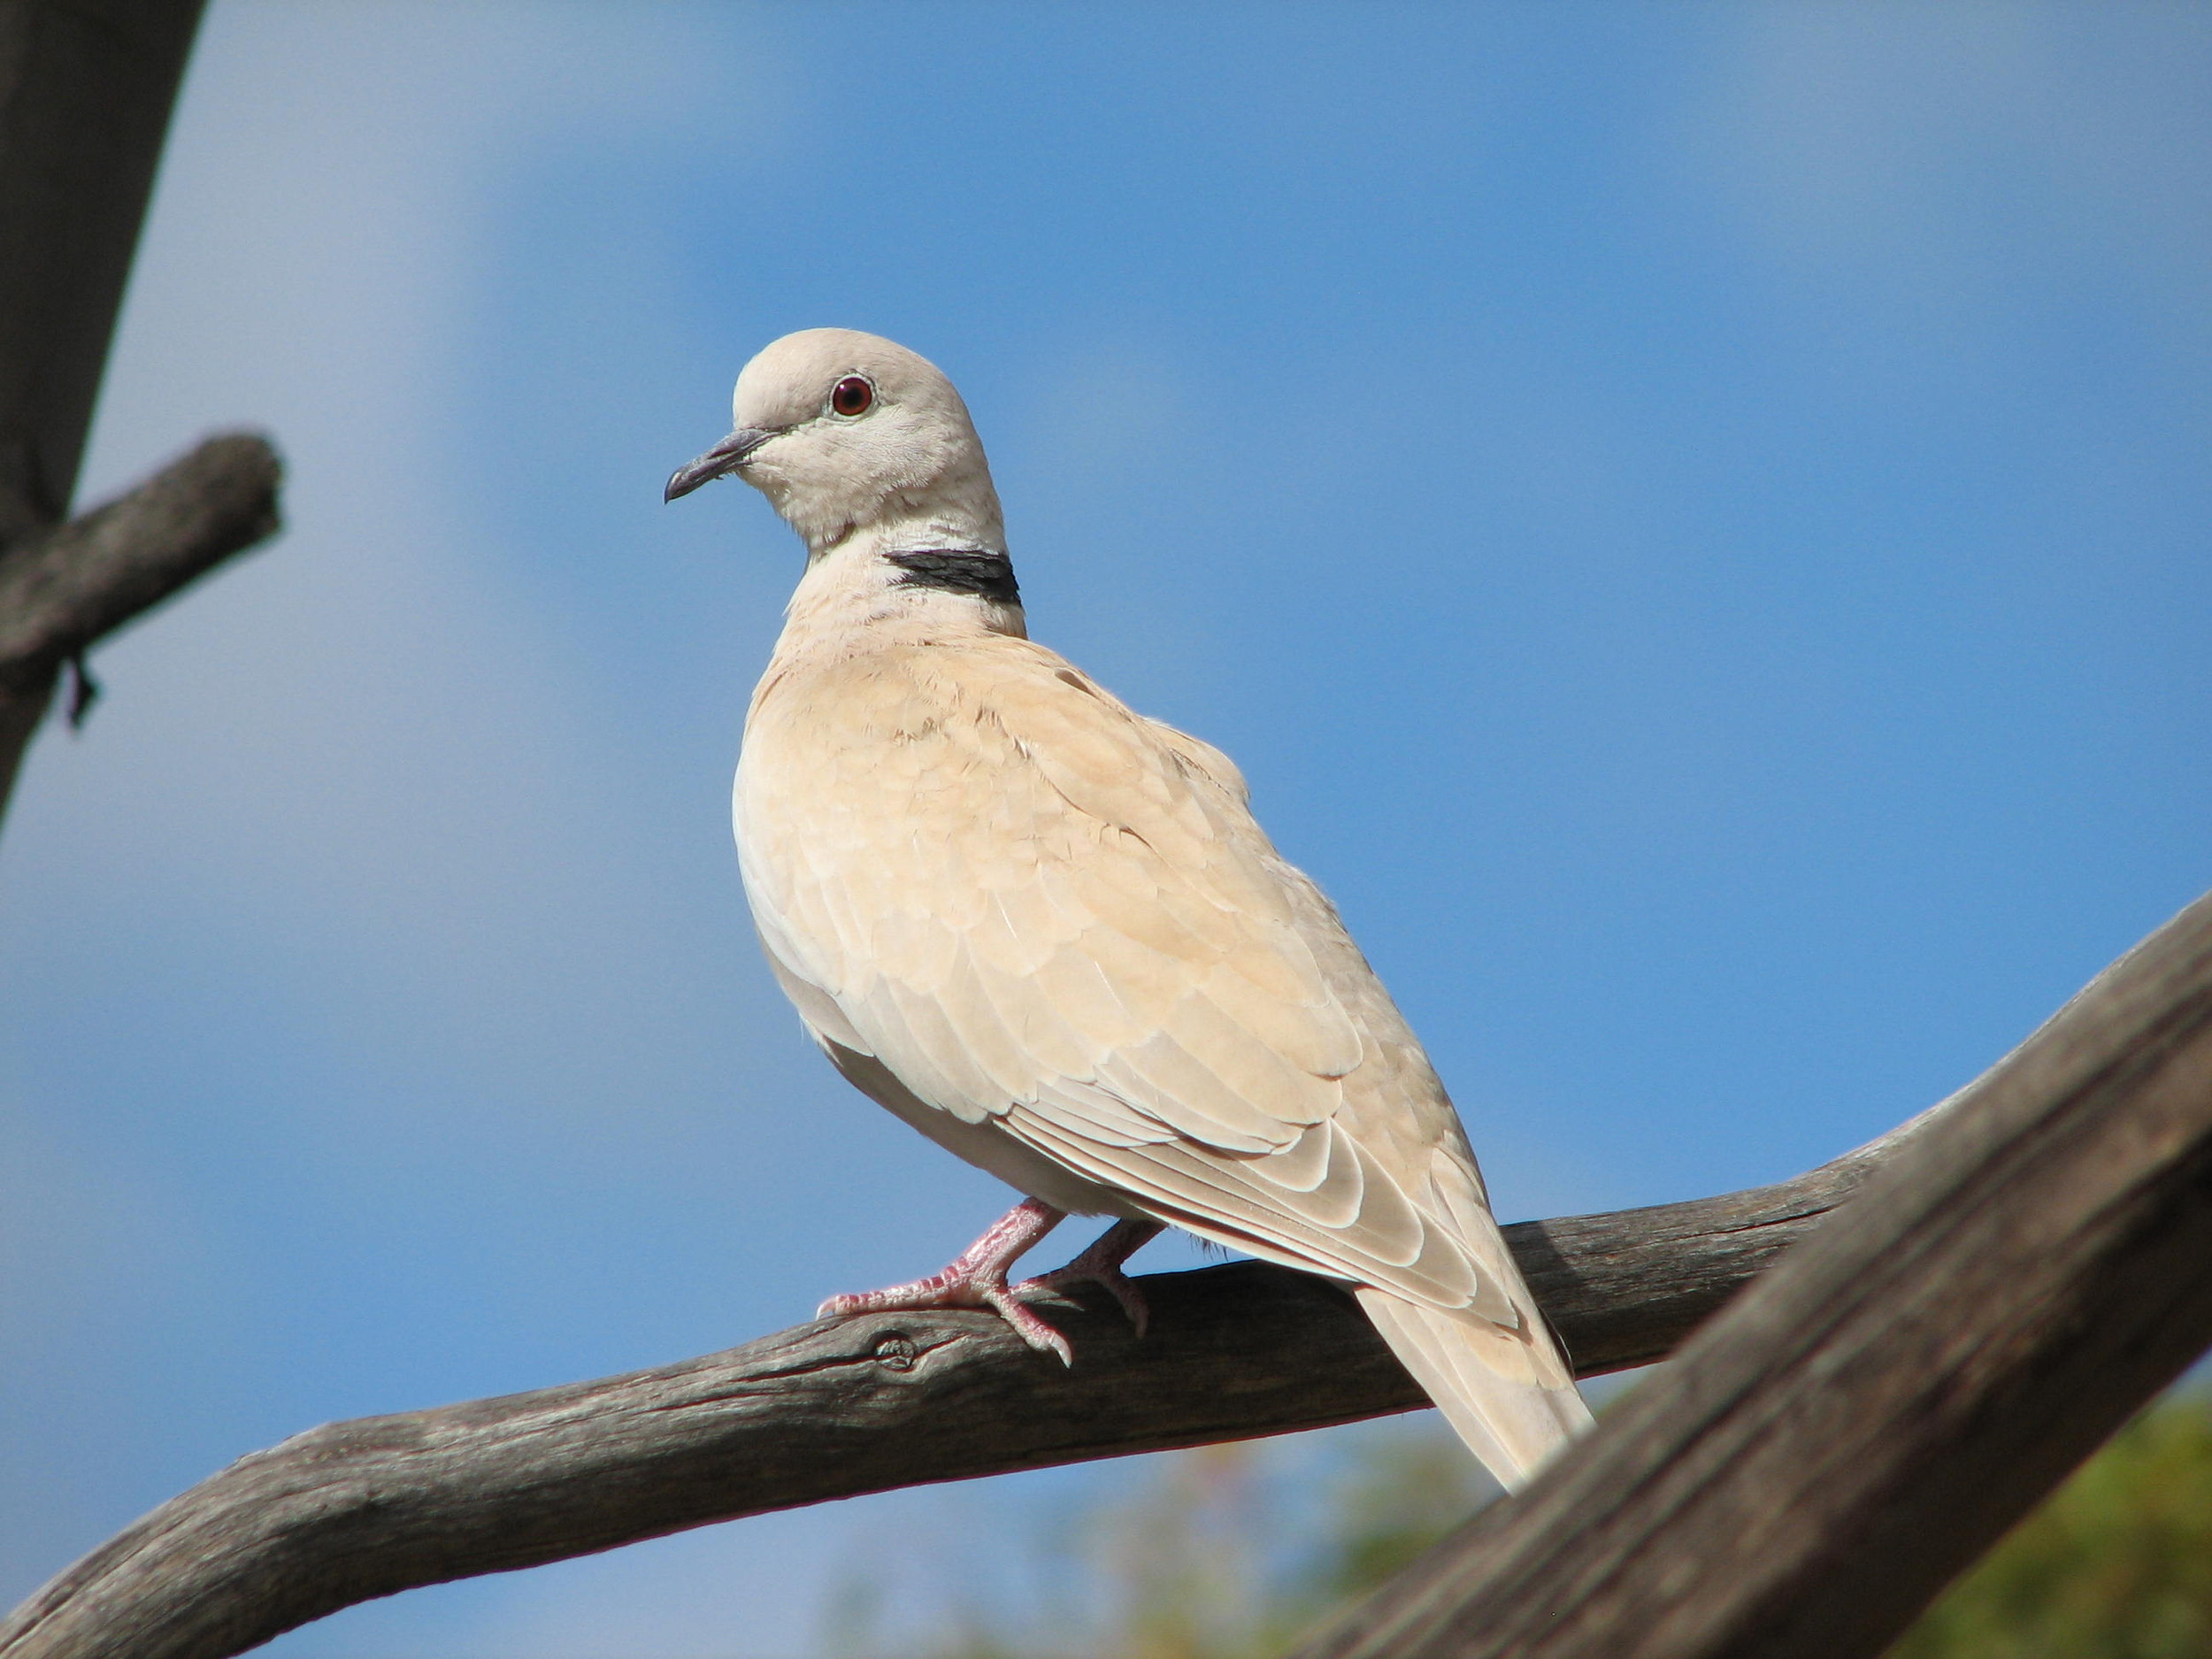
896 1352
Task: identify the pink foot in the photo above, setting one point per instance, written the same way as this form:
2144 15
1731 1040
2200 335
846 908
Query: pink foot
976 1280
1101 1264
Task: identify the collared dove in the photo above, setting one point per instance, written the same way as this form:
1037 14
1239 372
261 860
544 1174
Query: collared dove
1047 933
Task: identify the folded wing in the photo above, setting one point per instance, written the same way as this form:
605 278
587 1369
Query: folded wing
1038 909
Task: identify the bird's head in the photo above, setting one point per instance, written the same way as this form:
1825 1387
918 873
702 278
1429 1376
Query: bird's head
846 431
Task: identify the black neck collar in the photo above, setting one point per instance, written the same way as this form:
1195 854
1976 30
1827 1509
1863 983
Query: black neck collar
975 571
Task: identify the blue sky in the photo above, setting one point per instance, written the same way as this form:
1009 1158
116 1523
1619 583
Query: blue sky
1691 518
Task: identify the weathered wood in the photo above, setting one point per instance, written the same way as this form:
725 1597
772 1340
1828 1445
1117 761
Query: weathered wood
61 591
2040 1271
64 590
1821 1460
359 1510
86 88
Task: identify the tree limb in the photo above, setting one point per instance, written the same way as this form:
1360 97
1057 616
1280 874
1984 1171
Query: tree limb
832 1409
62 591
2082 1159
1819 1463
86 88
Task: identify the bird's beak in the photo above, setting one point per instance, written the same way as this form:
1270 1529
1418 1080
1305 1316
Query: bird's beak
726 456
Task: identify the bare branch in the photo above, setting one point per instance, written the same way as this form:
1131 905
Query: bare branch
2031 1263
1819 1463
2040 1263
86 87
2012 1258
359 1510
62 591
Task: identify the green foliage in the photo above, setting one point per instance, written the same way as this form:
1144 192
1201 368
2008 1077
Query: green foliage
2116 1565
1232 1551
1226 1552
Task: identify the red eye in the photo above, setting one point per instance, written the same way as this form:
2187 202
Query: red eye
852 396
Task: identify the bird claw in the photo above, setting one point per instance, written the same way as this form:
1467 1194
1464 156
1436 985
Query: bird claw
977 1279
1114 1282
1030 1326
949 1290
1100 1265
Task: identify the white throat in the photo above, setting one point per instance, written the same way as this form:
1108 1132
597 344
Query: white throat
913 578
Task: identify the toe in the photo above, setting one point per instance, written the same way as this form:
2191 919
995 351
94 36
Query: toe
1132 1302
1120 1286
1032 1329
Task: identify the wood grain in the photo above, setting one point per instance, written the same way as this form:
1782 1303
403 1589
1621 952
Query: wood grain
1822 1459
353 1510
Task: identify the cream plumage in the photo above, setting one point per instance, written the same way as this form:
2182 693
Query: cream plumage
1047 931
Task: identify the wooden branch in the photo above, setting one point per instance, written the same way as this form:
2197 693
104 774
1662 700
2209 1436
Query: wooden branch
1820 1461
359 1510
62 591
86 88
2075 1156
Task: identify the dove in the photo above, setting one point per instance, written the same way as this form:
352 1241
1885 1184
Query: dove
1047 931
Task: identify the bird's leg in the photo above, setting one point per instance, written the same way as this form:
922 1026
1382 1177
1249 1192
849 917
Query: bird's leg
977 1279
1101 1264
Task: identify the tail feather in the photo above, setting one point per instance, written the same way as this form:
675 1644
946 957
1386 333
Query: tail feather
1508 1393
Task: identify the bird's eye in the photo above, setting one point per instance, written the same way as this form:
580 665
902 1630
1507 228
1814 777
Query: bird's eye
852 396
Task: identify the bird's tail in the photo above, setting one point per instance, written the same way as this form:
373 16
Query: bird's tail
1509 1393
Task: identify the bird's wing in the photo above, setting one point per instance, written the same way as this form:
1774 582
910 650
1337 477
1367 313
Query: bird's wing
1037 907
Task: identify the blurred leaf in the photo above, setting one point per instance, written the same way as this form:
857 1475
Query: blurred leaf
1230 1552
2116 1565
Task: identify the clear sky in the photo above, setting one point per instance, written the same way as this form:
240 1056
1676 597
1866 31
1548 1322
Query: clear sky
1692 520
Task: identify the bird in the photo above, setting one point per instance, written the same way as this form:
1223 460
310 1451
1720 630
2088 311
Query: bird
1047 931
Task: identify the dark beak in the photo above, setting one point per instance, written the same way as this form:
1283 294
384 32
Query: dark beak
726 456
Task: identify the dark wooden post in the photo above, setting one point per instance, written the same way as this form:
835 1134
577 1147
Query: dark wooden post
1824 1458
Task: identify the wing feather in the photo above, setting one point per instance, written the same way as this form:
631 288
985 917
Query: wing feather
1042 911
